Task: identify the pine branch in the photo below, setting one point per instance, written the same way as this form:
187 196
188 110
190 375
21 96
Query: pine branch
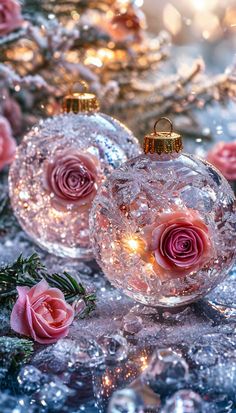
29 271
12 38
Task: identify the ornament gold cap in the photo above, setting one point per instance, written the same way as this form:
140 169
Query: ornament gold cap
163 142
77 102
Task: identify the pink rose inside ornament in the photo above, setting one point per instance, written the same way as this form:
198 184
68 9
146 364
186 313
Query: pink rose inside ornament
163 225
58 169
179 243
72 178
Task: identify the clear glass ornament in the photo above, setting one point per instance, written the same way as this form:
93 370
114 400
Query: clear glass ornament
30 379
52 395
125 401
163 226
115 347
58 168
185 401
166 370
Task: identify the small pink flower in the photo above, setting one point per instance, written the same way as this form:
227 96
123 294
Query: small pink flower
10 16
7 143
179 243
42 313
223 157
72 178
127 25
12 111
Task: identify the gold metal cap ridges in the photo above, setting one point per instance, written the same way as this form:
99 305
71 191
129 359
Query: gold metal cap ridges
164 142
84 101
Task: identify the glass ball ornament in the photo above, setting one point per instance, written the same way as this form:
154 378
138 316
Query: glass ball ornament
163 225
58 168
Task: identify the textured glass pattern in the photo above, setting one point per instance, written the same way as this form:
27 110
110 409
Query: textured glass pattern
98 140
134 198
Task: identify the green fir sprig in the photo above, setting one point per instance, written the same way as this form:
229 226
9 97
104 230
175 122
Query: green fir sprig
29 271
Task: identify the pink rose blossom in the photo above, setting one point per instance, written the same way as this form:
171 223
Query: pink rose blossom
72 178
179 243
7 143
10 16
42 313
127 25
223 157
12 111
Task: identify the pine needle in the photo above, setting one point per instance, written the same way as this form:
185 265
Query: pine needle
29 271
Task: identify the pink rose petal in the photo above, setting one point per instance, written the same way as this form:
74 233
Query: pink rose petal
17 320
179 242
42 313
72 179
10 16
7 143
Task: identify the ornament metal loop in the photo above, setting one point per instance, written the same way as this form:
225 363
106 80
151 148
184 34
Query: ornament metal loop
163 141
167 120
80 82
83 101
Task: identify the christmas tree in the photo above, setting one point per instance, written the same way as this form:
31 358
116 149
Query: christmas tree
53 44
159 359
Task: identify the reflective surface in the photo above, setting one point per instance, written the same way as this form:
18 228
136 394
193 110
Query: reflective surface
191 349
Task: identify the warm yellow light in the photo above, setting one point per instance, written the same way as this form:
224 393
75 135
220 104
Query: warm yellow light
22 53
149 267
144 362
133 244
107 381
230 17
106 54
206 23
136 247
204 4
95 61
172 19
75 15
72 56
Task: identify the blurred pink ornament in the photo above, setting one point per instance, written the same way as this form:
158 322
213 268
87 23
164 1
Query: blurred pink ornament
223 157
10 16
179 242
7 143
127 25
42 313
12 111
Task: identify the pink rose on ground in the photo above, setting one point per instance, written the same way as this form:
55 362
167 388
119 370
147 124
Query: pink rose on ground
7 143
179 243
72 178
42 313
223 157
10 16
